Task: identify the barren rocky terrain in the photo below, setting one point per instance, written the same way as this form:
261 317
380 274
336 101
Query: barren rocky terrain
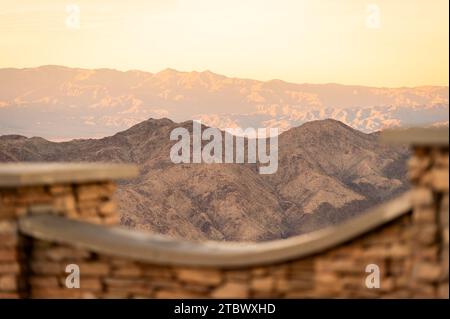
327 172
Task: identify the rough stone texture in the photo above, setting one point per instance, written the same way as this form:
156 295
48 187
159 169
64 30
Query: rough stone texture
429 174
339 272
411 252
91 202
88 202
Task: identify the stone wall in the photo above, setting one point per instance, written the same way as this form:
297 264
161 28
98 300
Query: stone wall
428 171
411 251
339 272
90 202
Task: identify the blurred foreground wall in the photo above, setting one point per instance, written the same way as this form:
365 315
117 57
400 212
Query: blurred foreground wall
55 215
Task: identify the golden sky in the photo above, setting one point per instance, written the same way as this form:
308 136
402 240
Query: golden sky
379 42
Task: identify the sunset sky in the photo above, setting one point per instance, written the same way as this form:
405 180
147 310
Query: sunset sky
381 43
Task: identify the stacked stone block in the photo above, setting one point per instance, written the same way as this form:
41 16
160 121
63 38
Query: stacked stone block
337 273
11 260
90 202
428 171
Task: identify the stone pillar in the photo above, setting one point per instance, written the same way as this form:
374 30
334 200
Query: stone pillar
11 258
76 191
428 171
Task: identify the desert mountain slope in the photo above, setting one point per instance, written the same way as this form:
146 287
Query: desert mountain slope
60 103
327 172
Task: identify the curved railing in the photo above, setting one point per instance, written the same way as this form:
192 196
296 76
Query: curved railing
160 249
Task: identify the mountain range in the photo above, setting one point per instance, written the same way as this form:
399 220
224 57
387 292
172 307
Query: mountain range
327 172
60 103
